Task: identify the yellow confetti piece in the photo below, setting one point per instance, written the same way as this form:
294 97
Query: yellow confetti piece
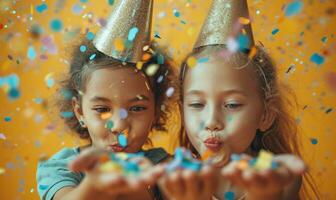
104 158
242 164
106 115
2 170
264 160
191 62
191 31
31 9
252 52
139 65
244 20
119 44
110 166
152 69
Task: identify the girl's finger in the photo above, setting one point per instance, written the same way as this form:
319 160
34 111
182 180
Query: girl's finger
292 162
210 181
192 183
87 159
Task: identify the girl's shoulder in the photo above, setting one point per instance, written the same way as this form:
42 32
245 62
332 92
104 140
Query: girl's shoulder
156 155
66 153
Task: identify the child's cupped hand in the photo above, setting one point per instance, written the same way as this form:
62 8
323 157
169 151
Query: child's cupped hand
281 182
186 184
111 183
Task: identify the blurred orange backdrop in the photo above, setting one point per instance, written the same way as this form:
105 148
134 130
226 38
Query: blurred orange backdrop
29 131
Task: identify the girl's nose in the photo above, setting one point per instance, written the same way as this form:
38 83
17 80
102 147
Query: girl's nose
214 120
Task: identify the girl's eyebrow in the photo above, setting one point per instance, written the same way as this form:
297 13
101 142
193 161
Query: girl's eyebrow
225 92
97 98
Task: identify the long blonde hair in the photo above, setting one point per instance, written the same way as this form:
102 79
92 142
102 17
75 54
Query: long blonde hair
283 135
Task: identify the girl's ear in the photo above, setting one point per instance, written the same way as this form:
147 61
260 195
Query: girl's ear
268 117
77 110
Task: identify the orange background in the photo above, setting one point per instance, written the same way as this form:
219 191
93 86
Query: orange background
33 131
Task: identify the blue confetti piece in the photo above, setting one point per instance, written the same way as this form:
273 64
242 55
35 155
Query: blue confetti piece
43 187
122 140
275 31
67 94
229 195
13 81
160 59
38 100
84 1
56 25
317 58
109 124
132 33
67 114
77 9
93 56
176 13
244 42
41 8
13 93
203 60
314 141
123 113
50 82
159 80
7 119
294 8
82 48
90 36
324 39
111 2
235 157
31 54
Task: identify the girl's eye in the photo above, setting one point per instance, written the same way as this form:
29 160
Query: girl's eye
102 110
232 106
137 108
196 105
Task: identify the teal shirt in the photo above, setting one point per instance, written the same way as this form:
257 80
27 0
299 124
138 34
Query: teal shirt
53 174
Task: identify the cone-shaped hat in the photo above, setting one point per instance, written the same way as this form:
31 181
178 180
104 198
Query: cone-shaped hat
222 20
127 30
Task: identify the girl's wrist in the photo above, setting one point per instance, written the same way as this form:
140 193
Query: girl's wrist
90 191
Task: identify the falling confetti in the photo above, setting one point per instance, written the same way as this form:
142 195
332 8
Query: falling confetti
41 8
31 54
93 56
119 44
123 113
49 80
275 31
314 141
191 62
160 59
152 69
82 48
56 25
67 114
229 195
2 136
109 124
2 170
77 9
203 60
176 13
111 2
294 8
132 33
90 35
317 59
170 92
122 140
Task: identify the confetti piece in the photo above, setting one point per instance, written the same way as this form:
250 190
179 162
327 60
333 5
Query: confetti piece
67 114
316 58
152 69
123 113
229 195
253 52
109 124
132 33
275 31
293 8
313 141
56 25
160 59
328 110
233 45
146 56
49 80
119 44
203 60
191 62
13 93
264 160
41 8
7 119
2 170
2 136
176 13
139 65
324 39
330 79
93 56
244 42
170 92
82 48
244 20
106 115
31 54
183 160
159 80
111 2
206 155
90 35
122 140
77 9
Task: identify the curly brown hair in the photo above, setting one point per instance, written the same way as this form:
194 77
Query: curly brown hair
82 64
283 136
